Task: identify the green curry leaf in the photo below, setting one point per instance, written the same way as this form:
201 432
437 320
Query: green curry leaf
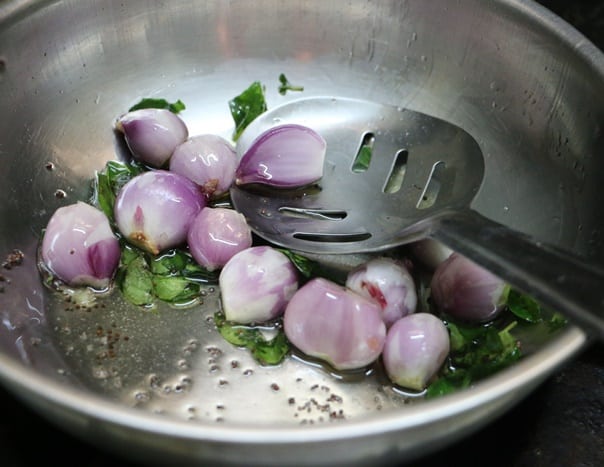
287 86
174 289
137 282
266 352
524 307
270 352
174 277
363 159
153 103
110 180
304 265
476 352
556 322
246 107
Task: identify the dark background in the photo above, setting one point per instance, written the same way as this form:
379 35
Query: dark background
560 424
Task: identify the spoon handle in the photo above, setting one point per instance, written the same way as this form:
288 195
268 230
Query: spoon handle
557 279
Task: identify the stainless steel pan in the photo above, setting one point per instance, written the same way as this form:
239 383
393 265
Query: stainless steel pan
522 82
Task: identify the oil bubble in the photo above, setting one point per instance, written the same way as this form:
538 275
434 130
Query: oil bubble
186 380
154 381
182 364
100 372
142 396
214 351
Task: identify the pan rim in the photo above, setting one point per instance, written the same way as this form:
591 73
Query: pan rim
24 381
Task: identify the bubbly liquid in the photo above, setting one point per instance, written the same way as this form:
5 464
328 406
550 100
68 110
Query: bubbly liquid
174 362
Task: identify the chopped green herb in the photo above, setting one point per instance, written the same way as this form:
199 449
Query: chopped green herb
304 265
266 352
309 268
556 322
174 289
152 103
457 339
364 154
129 253
110 180
173 277
171 262
271 352
524 307
287 86
476 352
452 382
182 263
361 162
246 107
137 282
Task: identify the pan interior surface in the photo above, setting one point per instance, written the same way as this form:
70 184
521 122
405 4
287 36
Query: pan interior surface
163 384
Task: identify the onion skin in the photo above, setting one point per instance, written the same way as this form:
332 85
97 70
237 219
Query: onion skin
79 246
152 134
285 156
208 160
334 324
155 209
416 347
256 284
216 235
387 282
467 291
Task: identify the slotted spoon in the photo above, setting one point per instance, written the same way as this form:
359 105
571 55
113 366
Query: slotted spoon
422 175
